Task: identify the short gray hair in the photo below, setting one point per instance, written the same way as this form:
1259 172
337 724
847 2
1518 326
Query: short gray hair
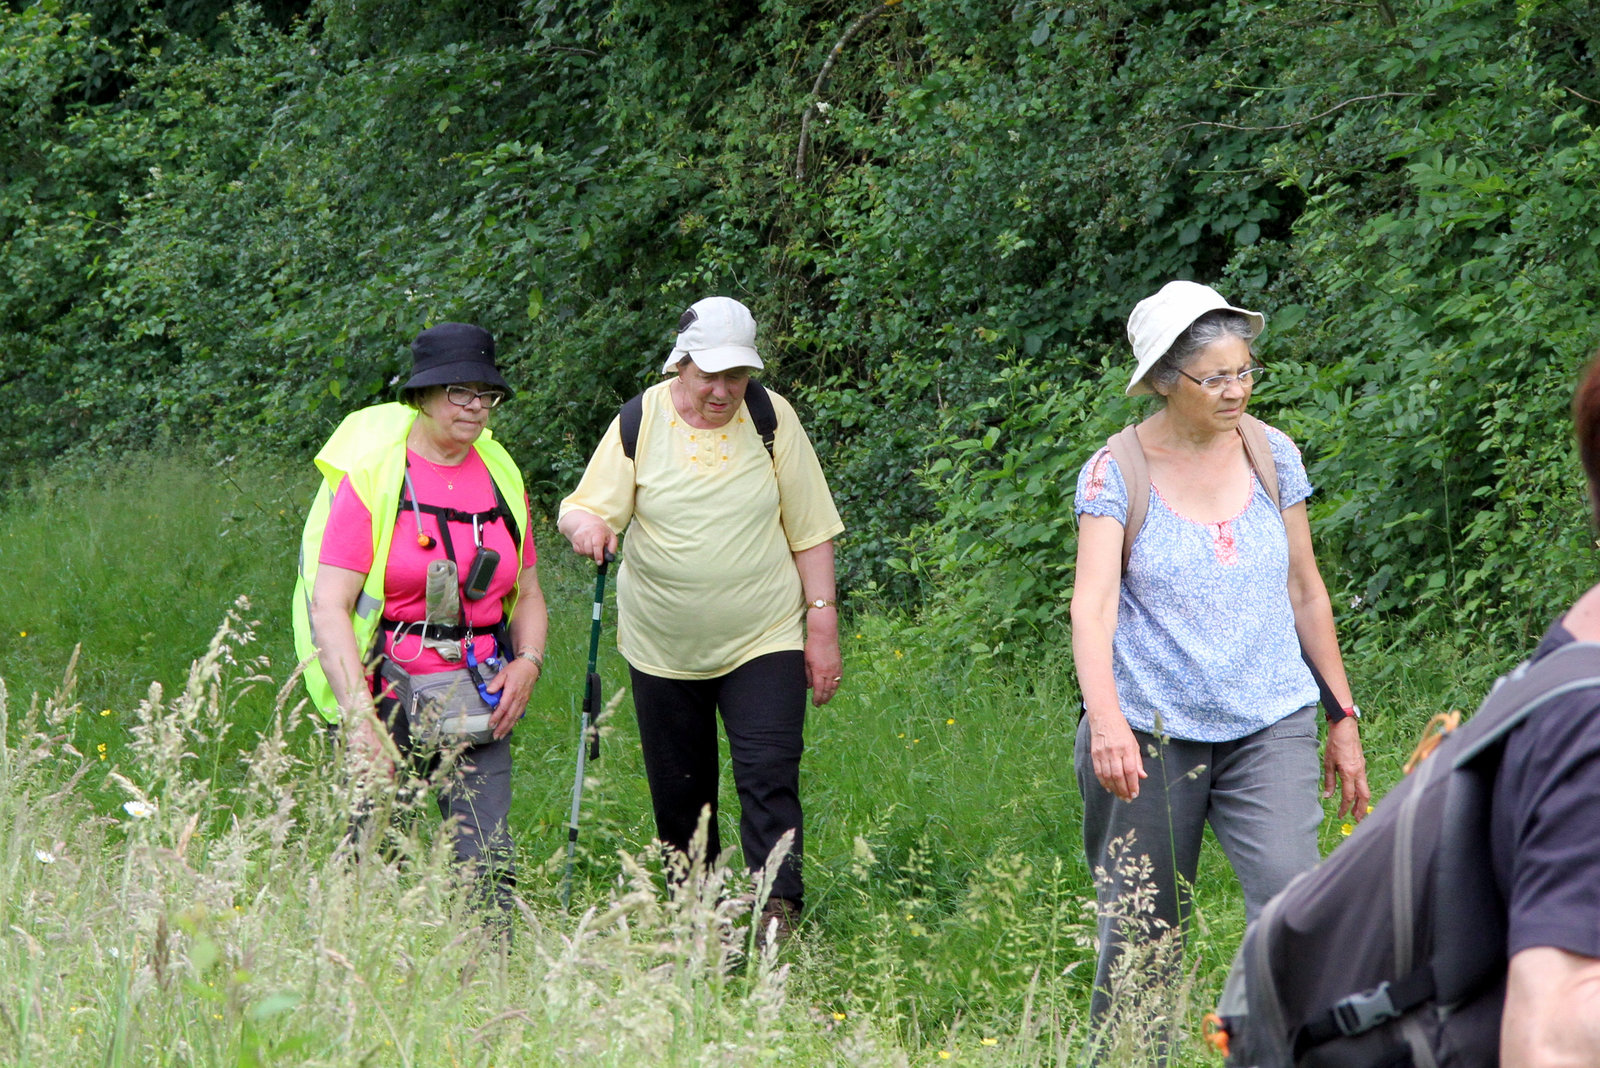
1210 328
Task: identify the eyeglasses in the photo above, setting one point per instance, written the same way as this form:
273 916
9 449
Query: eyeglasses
1247 378
461 396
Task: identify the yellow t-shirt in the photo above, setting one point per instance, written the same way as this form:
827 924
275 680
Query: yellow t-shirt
708 581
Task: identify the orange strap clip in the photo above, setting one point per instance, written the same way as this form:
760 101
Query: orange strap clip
1215 1032
1440 725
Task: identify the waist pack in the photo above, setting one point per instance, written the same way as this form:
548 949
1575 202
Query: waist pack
1391 951
443 708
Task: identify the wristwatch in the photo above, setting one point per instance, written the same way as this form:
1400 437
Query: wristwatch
821 603
1347 712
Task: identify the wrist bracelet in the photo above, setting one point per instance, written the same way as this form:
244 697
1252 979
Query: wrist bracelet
529 654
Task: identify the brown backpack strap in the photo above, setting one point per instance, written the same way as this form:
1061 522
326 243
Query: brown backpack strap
1129 455
1259 453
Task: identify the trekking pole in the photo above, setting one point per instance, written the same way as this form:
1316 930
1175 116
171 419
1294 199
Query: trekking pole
589 739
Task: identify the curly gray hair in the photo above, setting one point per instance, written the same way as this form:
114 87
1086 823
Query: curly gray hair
1210 328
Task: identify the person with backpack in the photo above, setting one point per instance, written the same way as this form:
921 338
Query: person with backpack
725 598
418 602
1196 609
1477 939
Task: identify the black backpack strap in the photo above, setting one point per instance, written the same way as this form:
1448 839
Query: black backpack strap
1360 1013
756 398
446 515
508 515
759 401
628 418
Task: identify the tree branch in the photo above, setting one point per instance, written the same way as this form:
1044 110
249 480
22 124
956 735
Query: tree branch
822 80
1302 122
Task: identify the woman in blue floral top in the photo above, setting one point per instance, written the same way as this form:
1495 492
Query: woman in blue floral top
1198 706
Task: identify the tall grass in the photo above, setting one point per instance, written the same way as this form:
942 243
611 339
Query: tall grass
172 890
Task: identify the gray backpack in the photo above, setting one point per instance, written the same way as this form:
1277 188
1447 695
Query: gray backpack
1391 952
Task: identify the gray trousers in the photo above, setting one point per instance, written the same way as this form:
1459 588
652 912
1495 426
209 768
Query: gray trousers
1259 793
476 791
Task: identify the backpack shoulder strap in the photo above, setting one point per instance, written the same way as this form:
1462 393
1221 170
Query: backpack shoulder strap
762 413
1574 666
1259 453
1129 455
630 416
756 399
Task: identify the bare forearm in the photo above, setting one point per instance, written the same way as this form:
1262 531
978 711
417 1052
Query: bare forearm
530 623
1091 658
1313 622
1552 1013
816 573
338 656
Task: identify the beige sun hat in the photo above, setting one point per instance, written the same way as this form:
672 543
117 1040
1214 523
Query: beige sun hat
1157 321
718 333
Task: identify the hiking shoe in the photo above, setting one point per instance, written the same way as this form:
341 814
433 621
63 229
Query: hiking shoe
776 923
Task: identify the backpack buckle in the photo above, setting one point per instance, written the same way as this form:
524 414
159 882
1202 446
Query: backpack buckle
1360 1013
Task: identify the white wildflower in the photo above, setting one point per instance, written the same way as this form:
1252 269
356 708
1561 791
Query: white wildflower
45 856
139 810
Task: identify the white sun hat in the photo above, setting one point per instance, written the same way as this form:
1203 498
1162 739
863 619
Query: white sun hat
718 333
1157 321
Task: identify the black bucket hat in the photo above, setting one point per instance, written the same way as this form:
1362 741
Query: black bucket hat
453 352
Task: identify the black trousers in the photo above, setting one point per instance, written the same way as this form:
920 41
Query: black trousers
763 706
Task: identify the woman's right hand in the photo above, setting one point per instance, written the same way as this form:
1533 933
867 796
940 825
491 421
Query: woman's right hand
366 744
589 534
1115 753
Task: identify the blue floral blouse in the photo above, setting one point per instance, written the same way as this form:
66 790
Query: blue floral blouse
1205 647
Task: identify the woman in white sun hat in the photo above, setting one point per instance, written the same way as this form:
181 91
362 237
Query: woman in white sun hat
1191 649
726 599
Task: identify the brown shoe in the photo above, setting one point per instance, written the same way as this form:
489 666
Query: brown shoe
776 923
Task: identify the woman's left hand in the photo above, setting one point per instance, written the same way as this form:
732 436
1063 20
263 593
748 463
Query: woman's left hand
1344 765
514 684
824 664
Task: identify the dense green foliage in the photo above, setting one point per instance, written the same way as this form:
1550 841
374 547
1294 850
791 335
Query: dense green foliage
224 225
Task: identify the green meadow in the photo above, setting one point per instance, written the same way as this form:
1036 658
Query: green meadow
173 894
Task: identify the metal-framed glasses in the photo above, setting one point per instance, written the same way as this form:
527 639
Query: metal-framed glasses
461 396
1248 378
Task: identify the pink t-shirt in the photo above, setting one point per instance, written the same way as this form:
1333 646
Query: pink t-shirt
468 487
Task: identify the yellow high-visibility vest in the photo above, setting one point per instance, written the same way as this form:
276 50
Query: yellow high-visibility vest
370 448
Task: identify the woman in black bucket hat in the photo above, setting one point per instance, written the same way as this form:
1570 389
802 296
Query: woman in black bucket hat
424 610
